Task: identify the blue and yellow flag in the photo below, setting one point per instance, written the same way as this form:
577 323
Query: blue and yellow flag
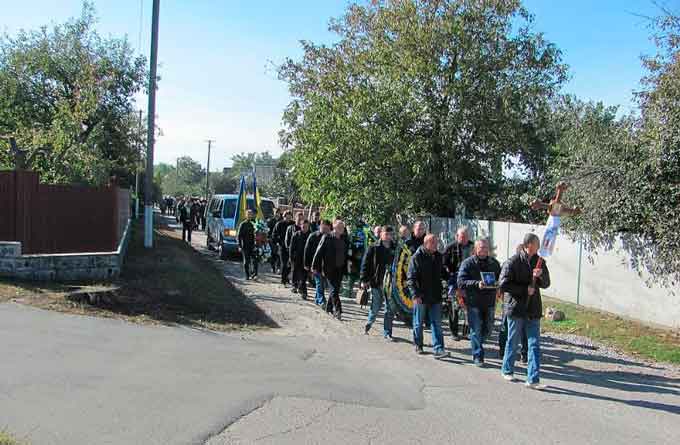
256 194
241 203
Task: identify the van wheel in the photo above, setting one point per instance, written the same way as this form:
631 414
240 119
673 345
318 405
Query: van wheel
223 253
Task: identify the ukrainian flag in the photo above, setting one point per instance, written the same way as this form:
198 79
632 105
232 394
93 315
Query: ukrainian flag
241 203
256 194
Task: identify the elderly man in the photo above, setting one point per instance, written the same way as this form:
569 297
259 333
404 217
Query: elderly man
521 282
478 276
425 274
330 260
454 254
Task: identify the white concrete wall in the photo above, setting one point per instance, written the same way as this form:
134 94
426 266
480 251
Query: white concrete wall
607 281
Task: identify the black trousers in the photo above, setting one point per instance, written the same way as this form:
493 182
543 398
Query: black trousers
186 231
274 257
285 265
249 261
300 278
203 223
335 281
503 337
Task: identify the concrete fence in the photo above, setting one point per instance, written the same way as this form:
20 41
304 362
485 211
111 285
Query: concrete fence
601 279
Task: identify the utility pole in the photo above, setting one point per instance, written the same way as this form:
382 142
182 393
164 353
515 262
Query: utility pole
207 170
138 164
148 186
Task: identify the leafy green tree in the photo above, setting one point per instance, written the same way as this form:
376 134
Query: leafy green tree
244 162
223 184
625 172
67 102
418 106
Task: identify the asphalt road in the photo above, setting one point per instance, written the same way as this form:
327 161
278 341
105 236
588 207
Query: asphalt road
78 380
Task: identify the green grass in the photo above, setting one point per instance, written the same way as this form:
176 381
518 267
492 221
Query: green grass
625 335
7 439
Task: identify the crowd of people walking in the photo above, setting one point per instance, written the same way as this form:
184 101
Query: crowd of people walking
322 253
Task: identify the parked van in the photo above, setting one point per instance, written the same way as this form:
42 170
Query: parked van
220 224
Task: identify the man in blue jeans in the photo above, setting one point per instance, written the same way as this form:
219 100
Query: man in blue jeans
521 281
376 261
310 250
424 278
478 276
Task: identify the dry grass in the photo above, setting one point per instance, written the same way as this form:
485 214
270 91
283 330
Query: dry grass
169 284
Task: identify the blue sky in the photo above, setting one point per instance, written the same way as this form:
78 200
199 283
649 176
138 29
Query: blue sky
215 58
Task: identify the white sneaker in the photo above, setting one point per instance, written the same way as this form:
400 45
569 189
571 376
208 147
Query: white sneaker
509 378
536 386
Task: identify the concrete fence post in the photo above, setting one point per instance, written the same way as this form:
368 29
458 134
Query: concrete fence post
578 273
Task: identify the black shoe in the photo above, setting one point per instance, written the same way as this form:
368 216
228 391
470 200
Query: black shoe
419 350
253 277
338 315
303 295
525 359
294 290
457 337
367 328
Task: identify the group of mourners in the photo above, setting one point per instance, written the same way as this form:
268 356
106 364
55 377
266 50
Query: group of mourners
190 212
322 252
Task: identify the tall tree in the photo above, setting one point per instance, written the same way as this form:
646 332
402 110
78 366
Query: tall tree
418 105
67 102
625 172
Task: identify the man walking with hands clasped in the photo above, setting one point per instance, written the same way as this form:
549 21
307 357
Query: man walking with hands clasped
425 274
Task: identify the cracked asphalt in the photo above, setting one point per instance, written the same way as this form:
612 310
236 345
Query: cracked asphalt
77 380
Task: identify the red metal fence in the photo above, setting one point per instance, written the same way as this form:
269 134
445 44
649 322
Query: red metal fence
60 218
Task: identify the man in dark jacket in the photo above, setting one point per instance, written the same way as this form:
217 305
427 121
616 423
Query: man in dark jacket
478 277
315 224
454 254
417 238
195 213
377 260
330 260
297 258
274 257
310 249
521 282
185 219
280 239
246 244
290 231
424 278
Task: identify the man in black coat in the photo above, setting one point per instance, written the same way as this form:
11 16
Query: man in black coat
290 231
521 282
246 244
424 278
377 260
478 277
417 237
310 249
454 254
280 239
274 260
297 258
185 218
330 260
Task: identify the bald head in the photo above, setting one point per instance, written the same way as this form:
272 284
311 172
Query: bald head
430 243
